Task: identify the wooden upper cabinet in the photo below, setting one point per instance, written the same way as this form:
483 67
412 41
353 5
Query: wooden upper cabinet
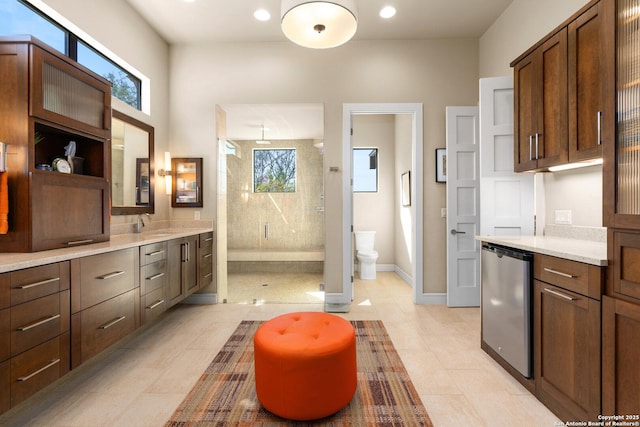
541 112
621 114
48 101
65 94
585 105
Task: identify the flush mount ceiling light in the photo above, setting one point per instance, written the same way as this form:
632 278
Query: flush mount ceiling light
319 24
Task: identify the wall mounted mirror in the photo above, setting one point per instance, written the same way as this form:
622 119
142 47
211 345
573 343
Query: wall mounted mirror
132 166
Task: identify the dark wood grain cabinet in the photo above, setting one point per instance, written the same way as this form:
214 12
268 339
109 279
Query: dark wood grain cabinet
558 95
621 187
567 341
540 92
183 268
49 101
34 330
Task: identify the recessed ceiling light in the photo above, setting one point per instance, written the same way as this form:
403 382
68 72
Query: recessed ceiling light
387 12
262 15
188 1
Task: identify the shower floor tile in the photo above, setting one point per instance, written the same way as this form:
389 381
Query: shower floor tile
265 288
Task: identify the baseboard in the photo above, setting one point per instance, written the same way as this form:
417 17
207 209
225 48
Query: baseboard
335 298
203 299
432 299
403 275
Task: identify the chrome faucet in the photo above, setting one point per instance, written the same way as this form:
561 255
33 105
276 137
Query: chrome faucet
137 228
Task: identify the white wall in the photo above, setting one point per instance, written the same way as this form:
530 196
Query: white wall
433 72
522 25
403 219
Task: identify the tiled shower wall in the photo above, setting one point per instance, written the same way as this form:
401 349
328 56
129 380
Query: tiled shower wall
296 220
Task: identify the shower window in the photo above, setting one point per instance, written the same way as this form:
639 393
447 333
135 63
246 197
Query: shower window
365 170
274 170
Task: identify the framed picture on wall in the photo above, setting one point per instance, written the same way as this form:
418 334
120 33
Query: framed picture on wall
441 165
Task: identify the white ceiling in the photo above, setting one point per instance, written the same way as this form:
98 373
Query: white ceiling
232 21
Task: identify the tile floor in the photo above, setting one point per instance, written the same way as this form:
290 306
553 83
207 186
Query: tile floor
141 380
250 288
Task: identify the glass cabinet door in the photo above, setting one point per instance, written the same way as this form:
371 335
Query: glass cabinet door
186 186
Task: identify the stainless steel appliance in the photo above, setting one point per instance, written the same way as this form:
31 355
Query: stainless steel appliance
506 304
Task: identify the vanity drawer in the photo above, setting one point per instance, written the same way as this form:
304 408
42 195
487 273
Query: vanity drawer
35 369
153 277
579 277
153 304
37 321
153 252
35 282
105 276
102 325
206 241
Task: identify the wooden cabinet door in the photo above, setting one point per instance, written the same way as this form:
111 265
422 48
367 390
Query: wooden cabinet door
190 265
567 352
525 118
620 367
552 108
68 211
585 106
175 256
69 94
541 114
625 264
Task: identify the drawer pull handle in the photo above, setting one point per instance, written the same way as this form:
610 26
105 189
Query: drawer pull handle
558 294
560 273
208 239
44 368
155 304
208 256
79 242
155 276
33 285
38 323
206 276
155 253
111 275
113 322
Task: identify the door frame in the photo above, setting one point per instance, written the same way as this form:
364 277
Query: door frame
417 249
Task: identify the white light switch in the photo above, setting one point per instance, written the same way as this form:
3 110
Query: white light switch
563 217
443 212
196 215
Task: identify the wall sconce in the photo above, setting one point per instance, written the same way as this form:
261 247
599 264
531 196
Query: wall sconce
166 172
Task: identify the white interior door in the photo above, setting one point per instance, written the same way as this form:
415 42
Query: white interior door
463 210
507 198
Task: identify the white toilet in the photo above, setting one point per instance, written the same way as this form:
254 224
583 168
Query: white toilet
366 255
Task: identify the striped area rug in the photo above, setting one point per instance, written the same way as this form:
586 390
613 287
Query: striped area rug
225 394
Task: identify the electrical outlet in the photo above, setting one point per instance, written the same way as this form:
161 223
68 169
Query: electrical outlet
443 212
196 215
563 217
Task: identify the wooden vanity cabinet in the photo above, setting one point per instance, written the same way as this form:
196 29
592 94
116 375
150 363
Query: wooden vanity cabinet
105 301
34 330
182 259
205 259
153 281
567 336
49 100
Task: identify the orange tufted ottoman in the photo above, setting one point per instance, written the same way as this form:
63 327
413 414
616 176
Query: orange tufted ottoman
305 365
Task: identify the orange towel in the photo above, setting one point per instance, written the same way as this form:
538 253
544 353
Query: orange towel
4 202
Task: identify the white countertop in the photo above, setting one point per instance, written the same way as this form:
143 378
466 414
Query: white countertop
587 251
17 261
